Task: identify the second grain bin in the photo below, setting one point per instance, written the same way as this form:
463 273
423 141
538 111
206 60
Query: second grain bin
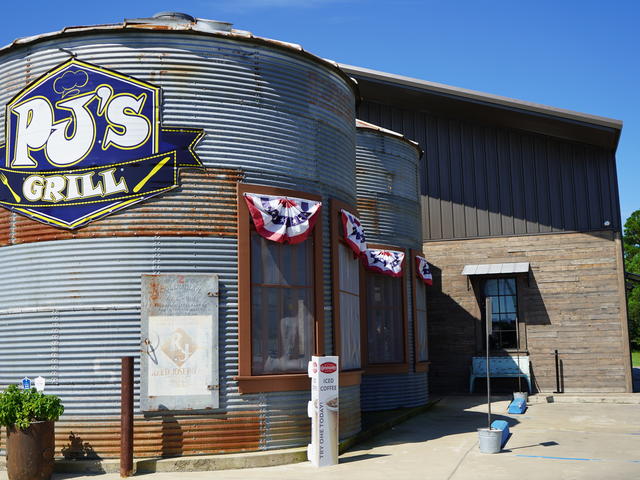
394 316
128 230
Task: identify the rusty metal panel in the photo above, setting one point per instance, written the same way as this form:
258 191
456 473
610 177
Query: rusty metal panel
162 435
179 360
5 227
205 204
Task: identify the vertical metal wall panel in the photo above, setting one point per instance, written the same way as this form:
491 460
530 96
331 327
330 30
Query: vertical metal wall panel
389 208
485 181
272 116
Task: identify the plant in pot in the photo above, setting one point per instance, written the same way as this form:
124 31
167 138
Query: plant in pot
29 416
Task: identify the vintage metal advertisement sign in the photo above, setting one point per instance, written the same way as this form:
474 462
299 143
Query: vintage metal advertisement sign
179 360
82 142
180 351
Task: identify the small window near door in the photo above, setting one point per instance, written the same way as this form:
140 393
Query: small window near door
504 312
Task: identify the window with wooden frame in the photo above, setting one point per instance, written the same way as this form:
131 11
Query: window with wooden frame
347 272
385 330
280 302
419 303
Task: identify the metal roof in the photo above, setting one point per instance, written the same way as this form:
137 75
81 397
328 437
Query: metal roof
486 97
370 126
495 268
180 22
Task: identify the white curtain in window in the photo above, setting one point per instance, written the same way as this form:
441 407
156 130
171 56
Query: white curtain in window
281 306
421 322
349 309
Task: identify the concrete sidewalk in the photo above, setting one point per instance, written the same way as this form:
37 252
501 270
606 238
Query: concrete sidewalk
550 441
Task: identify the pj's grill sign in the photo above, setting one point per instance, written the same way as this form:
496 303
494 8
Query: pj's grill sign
83 142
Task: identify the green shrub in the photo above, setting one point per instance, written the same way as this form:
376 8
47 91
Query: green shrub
22 407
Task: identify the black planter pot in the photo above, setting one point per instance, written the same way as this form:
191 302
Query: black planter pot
30 452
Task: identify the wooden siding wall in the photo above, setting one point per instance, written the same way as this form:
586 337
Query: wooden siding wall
571 303
484 181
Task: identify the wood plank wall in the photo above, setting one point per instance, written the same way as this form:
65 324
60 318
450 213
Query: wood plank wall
572 303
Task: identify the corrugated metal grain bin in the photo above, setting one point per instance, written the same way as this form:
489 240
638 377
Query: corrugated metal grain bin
273 115
389 205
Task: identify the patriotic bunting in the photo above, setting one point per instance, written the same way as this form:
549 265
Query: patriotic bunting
283 219
423 270
388 262
353 233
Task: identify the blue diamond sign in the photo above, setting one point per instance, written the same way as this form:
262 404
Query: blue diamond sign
83 142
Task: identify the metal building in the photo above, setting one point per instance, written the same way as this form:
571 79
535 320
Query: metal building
272 115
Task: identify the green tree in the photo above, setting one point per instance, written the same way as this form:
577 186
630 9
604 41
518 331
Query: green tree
631 242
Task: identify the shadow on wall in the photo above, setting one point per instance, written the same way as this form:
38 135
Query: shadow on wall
452 339
78 449
456 334
172 437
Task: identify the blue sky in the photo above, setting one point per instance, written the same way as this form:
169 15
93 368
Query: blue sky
578 55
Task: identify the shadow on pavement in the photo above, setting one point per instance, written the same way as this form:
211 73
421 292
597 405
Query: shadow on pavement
363 456
449 416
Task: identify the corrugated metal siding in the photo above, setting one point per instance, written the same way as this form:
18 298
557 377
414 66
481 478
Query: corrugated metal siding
388 205
350 418
168 435
383 392
480 180
387 178
204 204
275 118
267 111
71 309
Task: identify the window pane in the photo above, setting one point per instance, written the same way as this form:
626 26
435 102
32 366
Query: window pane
421 295
504 314
349 287
495 305
384 319
349 331
490 288
508 304
349 270
509 286
422 336
508 339
296 265
281 316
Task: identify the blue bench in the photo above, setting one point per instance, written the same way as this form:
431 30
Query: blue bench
509 366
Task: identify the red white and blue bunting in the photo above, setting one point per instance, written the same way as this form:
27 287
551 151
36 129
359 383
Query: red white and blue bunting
423 270
353 233
387 262
283 219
